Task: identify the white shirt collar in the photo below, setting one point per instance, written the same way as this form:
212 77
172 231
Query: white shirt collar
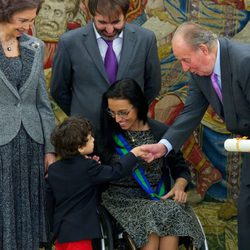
98 36
217 69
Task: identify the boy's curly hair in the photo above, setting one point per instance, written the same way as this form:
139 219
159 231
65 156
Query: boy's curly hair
69 135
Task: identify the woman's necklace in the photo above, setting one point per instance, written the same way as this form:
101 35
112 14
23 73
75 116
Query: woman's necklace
132 133
8 45
130 136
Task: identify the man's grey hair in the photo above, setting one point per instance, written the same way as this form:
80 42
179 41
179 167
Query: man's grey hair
194 35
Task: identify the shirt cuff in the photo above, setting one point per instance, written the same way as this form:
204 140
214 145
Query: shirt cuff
167 144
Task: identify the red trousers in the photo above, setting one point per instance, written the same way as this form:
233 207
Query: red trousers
76 245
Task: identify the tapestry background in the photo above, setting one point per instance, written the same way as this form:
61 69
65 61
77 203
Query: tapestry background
216 173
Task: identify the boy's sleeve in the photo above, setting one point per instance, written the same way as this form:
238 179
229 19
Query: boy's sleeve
100 173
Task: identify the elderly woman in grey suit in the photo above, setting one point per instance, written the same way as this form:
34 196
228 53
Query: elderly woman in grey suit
26 123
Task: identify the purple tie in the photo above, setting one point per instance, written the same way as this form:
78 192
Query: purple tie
214 79
110 62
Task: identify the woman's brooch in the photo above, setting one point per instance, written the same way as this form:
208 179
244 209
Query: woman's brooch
35 45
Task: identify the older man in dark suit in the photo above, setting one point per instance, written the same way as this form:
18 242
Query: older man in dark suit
81 70
207 57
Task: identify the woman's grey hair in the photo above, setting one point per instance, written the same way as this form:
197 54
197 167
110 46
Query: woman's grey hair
9 7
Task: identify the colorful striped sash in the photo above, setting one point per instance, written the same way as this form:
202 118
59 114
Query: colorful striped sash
122 149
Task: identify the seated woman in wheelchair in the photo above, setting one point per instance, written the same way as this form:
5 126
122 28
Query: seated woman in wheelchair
154 215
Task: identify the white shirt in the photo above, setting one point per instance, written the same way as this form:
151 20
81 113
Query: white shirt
217 69
117 45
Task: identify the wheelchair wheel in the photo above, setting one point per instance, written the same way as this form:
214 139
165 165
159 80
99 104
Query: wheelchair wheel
126 243
106 242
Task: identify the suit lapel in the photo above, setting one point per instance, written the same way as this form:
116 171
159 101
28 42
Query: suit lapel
208 90
30 59
28 50
5 80
227 90
90 43
9 85
127 50
27 56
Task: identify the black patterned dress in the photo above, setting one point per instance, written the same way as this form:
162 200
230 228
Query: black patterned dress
22 214
129 204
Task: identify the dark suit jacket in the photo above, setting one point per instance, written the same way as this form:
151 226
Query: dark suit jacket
79 78
235 79
72 195
174 165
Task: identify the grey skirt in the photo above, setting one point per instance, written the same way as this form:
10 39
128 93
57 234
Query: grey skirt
140 216
22 210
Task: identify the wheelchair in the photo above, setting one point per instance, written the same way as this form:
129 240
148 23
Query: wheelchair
115 238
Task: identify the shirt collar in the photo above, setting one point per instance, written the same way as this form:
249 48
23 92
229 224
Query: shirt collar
217 69
98 36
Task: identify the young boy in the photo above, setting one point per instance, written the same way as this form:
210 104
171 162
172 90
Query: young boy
73 183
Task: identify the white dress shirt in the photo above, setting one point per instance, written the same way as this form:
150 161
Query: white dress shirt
117 45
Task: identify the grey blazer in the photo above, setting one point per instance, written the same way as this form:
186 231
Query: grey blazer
30 105
79 78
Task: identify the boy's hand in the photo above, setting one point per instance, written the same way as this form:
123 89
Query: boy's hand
49 158
138 152
94 157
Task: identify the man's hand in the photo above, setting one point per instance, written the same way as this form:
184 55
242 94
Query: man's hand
153 151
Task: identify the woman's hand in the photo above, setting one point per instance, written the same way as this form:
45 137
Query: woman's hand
178 191
49 158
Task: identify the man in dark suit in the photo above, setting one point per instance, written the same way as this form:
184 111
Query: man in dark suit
79 76
202 54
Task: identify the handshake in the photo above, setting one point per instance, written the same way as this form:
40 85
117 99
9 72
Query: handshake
150 152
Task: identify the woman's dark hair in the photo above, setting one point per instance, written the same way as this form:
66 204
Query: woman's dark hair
69 135
111 8
126 89
9 7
